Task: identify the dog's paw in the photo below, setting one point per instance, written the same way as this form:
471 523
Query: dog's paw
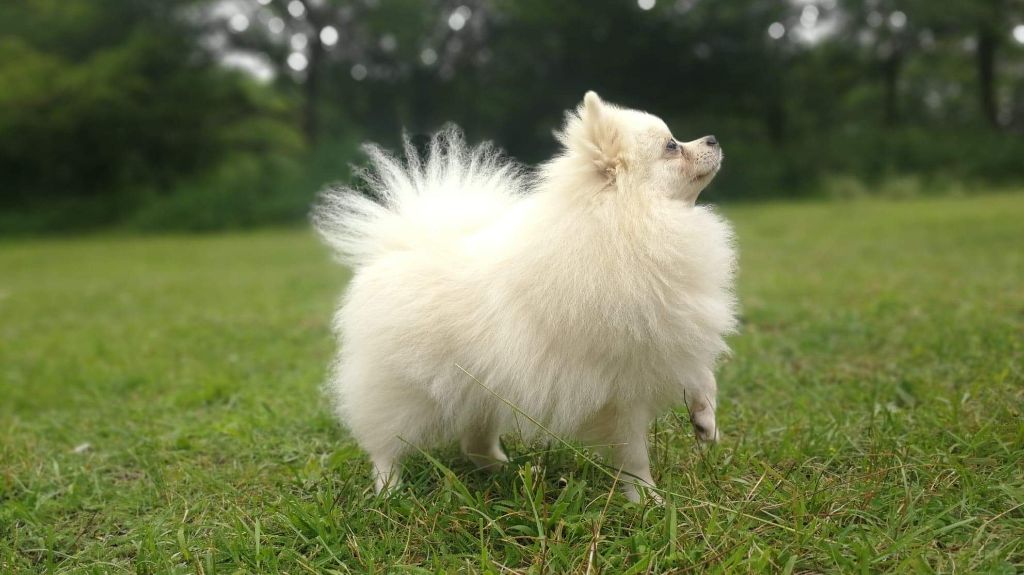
642 493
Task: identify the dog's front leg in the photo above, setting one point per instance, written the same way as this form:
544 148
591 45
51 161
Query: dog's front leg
631 458
621 433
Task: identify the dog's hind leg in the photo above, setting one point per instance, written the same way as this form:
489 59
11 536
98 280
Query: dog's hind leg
388 418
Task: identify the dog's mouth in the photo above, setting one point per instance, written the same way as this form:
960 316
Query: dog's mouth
709 172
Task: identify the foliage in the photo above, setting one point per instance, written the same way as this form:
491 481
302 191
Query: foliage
245 190
135 113
124 120
162 414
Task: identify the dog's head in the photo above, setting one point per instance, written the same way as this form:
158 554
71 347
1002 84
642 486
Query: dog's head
637 152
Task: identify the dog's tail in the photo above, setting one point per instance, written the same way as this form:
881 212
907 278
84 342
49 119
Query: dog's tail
417 202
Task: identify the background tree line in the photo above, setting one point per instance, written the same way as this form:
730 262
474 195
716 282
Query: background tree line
202 114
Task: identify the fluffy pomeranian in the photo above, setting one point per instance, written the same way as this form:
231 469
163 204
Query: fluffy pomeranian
582 300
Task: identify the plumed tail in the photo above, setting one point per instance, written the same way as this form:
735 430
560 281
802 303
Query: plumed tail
414 202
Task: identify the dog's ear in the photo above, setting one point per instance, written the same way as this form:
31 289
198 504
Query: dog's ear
591 107
601 133
592 135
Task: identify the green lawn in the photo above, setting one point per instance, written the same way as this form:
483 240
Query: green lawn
160 413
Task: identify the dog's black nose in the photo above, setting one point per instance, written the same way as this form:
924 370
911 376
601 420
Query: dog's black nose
711 141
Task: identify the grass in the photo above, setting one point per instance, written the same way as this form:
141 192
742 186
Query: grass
159 413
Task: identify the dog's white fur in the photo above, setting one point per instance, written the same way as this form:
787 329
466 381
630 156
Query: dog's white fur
592 297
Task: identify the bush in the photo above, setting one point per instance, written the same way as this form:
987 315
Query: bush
246 190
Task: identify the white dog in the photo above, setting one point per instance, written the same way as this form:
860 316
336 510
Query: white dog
588 298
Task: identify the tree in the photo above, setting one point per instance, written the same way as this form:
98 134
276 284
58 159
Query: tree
320 43
983 24
135 106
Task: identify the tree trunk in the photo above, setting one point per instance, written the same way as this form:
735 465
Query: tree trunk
422 105
987 43
891 69
311 89
775 119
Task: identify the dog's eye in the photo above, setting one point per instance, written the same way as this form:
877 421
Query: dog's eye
672 146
